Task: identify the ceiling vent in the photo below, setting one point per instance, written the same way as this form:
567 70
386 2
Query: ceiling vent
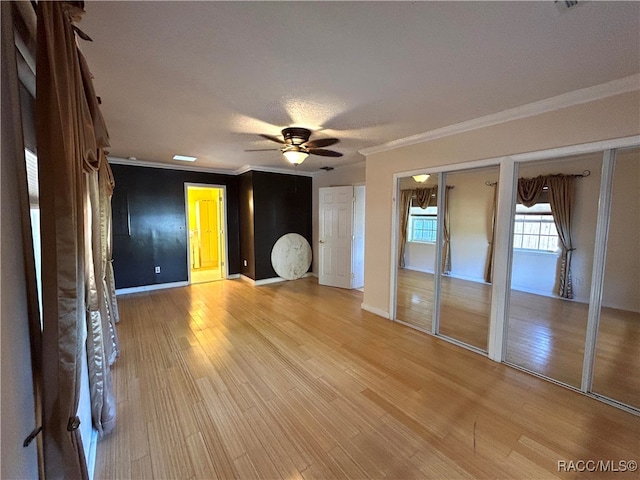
563 6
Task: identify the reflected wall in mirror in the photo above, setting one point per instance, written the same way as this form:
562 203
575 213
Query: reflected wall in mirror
465 291
617 358
417 220
550 283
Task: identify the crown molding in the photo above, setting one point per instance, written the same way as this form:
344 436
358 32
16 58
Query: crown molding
168 166
576 97
195 168
286 171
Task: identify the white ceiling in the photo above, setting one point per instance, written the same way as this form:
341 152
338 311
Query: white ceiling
204 78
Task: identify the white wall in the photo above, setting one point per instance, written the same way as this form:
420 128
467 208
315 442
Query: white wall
348 175
608 118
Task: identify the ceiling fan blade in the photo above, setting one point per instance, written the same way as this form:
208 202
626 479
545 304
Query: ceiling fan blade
272 138
263 150
324 153
321 142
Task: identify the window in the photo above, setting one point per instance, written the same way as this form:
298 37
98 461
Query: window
534 228
423 224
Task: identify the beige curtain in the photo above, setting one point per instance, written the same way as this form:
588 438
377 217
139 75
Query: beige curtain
529 190
405 205
446 235
488 274
70 139
561 194
17 220
102 344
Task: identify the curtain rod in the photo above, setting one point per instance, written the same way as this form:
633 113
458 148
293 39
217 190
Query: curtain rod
585 173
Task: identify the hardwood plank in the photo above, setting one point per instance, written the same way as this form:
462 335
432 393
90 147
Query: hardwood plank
294 380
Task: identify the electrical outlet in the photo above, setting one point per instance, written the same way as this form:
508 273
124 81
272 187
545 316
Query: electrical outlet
244 262
157 269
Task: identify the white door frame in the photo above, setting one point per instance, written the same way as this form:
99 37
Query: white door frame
225 256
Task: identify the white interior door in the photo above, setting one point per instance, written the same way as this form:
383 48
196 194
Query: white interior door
335 236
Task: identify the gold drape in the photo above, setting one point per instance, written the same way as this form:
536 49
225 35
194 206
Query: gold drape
70 137
561 201
405 205
488 274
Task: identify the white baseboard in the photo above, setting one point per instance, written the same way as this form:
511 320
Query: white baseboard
233 276
375 311
148 288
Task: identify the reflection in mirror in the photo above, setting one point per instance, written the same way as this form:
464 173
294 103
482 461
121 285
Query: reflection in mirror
465 298
617 359
418 214
553 244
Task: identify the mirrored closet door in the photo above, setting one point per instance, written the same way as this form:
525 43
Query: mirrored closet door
465 280
554 229
616 372
417 235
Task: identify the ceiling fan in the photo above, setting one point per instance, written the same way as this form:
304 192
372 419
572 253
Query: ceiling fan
296 146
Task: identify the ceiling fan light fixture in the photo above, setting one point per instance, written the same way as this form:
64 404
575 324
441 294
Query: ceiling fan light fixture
421 178
295 156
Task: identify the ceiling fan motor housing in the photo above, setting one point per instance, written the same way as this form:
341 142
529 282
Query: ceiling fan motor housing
296 135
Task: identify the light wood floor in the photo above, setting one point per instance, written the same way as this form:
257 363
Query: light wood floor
545 335
294 380
205 274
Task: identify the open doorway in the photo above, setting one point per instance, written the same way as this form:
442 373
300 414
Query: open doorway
205 205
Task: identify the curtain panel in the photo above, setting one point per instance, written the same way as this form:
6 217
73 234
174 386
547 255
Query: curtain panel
70 137
446 233
17 22
488 274
405 205
560 195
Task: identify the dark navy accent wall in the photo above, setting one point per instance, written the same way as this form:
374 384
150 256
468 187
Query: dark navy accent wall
150 227
247 231
281 204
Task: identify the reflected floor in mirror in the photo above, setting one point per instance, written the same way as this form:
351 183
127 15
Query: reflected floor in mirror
464 306
545 335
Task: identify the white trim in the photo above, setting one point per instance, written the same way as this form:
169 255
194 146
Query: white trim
148 288
393 274
375 311
437 272
233 276
502 261
578 149
599 263
547 154
576 97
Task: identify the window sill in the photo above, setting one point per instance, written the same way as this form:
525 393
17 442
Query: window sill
525 251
